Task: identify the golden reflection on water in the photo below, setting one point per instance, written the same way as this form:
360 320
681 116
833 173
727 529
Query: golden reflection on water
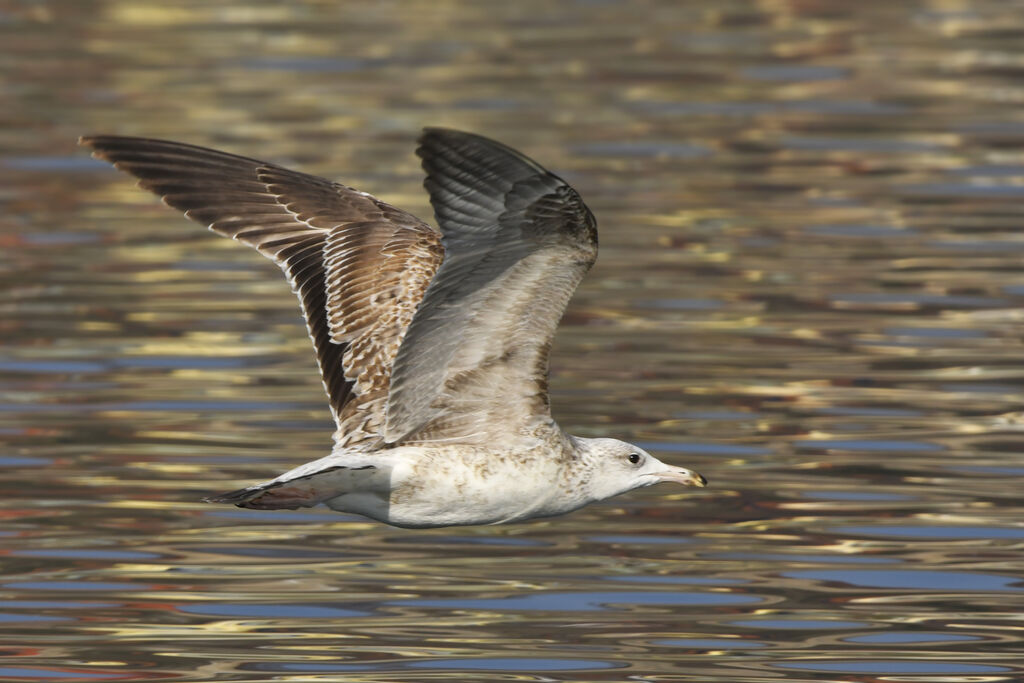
810 289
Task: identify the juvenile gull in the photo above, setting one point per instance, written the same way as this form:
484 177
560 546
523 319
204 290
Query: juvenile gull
433 347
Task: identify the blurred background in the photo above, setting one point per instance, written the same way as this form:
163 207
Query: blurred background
809 289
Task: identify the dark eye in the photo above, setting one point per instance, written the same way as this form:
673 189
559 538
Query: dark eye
634 458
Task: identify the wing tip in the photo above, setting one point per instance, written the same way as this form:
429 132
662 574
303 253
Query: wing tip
433 139
96 142
109 147
92 142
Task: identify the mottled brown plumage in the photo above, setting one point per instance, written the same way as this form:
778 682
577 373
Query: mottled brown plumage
359 266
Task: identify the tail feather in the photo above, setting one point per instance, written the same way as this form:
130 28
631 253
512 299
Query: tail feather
301 492
237 497
277 496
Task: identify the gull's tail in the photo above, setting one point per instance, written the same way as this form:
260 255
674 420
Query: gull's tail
273 496
306 490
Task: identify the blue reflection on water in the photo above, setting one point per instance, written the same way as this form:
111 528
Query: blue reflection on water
513 664
682 580
186 362
269 610
989 470
680 304
472 540
933 531
17 672
962 301
854 495
308 64
22 461
55 163
989 170
942 332
710 643
979 387
210 265
899 638
54 604
895 666
88 553
8 617
816 559
800 624
60 238
867 411
129 362
523 665
671 540
865 445
978 245
277 516
842 230
76 586
725 415
292 553
962 190
702 448
583 602
642 148
149 406
754 108
46 366
794 72
491 104
915 579
808 142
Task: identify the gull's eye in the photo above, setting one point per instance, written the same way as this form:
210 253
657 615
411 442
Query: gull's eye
634 458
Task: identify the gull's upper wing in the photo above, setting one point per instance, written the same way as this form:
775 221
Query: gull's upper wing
358 265
474 362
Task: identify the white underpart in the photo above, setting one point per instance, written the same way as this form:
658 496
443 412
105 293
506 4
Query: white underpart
446 485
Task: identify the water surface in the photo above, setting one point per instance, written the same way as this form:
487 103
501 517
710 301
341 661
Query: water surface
810 289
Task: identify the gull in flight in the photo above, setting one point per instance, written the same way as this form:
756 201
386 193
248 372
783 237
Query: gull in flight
433 347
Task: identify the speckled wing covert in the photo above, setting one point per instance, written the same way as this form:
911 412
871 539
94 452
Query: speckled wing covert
473 365
358 265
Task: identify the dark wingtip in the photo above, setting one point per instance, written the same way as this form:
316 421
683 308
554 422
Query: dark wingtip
434 139
90 141
97 143
94 141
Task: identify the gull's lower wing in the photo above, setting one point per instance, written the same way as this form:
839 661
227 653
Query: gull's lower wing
517 242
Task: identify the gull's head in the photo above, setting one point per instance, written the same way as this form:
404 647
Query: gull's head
616 467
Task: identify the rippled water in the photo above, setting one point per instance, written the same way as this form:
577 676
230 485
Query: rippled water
810 289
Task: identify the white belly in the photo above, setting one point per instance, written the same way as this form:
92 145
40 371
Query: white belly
435 489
